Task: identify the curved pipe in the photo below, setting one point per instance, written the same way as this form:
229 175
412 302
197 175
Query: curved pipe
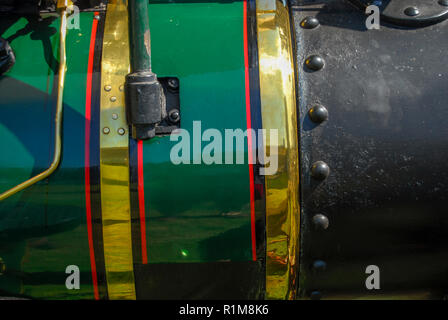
58 118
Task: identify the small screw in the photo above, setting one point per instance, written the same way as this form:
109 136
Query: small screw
113 99
114 116
106 130
174 116
107 88
121 131
173 83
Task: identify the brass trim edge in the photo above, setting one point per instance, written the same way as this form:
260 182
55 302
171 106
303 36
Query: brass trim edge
114 155
63 6
278 104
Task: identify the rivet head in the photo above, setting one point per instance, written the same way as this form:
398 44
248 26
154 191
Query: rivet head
121 131
443 3
320 170
316 295
97 17
320 222
318 114
114 116
314 62
173 83
319 265
174 115
121 88
113 99
309 23
412 11
107 88
106 130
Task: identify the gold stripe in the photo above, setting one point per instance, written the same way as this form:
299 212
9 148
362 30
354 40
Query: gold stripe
278 104
114 155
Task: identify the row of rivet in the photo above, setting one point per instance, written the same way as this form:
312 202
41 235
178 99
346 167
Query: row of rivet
106 130
319 170
318 114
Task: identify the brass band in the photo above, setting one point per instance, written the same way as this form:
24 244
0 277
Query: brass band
278 104
114 155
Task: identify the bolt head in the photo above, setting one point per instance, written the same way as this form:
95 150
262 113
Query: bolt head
121 131
320 170
320 222
174 115
114 116
173 83
106 130
412 11
318 114
314 62
107 88
309 23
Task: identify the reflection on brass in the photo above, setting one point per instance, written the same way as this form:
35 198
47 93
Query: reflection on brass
114 156
63 6
278 104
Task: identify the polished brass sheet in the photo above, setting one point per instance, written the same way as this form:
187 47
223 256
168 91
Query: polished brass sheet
114 155
278 104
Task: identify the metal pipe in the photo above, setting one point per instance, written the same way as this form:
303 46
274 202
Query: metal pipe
63 5
145 99
140 37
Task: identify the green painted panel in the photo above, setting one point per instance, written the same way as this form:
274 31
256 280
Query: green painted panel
198 213
44 227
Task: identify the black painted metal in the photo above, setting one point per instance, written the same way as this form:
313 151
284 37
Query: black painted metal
170 87
385 199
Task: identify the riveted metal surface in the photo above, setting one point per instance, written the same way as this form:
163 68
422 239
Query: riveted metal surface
385 199
114 156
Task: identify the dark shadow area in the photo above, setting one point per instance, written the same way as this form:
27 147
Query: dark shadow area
39 30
